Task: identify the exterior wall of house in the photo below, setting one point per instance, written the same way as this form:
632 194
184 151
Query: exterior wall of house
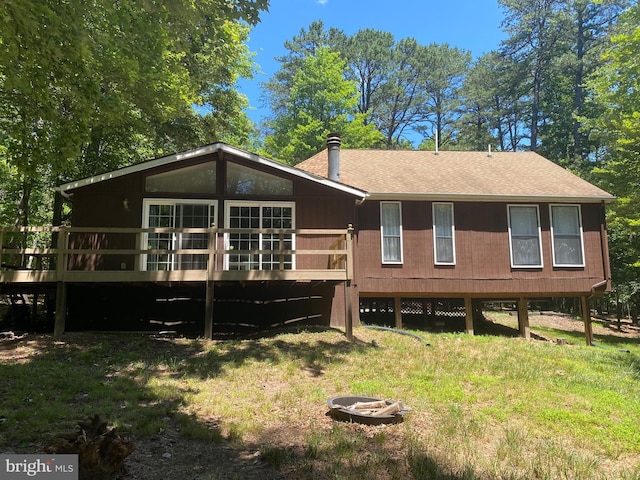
119 203
483 267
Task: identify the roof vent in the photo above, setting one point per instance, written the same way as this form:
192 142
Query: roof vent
333 148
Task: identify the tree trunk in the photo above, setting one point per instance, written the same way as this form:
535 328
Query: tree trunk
578 93
22 215
22 218
535 108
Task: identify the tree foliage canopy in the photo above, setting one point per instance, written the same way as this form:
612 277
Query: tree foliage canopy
615 87
89 88
320 101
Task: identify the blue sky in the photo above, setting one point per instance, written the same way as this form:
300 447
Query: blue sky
472 25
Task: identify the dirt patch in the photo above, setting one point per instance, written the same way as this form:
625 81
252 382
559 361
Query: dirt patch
170 455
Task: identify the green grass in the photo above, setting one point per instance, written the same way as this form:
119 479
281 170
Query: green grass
483 407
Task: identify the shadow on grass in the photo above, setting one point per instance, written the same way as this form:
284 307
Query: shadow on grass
483 326
48 386
314 356
354 452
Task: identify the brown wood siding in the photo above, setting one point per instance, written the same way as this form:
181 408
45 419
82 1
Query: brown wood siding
112 203
104 205
317 207
483 266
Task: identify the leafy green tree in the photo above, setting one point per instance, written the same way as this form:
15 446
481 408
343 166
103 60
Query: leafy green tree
615 87
406 86
401 101
558 42
564 99
479 120
494 107
321 101
305 44
84 89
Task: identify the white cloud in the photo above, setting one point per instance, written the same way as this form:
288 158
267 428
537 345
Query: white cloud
323 2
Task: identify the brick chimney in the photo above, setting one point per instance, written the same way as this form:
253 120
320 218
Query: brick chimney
333 147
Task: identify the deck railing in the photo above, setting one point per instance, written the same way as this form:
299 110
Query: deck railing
86 254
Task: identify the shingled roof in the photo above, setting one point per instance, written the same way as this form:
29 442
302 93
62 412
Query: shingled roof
499 176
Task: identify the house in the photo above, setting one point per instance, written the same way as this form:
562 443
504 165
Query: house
254 242
210 231
453 229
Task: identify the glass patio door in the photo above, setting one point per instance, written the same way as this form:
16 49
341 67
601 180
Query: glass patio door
169 214
255 217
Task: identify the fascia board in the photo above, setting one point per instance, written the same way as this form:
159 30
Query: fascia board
488 198
206 150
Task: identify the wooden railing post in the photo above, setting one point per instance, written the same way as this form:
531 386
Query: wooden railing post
61 286
349 247
137 262
211 268
281 248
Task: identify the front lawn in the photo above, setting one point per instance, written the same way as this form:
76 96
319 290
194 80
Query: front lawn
483 407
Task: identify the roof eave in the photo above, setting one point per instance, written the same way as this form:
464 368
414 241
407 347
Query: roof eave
206 150
490 198
139 167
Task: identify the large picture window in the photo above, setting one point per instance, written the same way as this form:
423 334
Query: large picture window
252 216
243 180
524 236
566 232
199 178
391 232
176 214
443 234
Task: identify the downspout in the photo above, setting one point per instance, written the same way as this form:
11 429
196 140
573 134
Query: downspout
604 247
604 250
602 285
598 286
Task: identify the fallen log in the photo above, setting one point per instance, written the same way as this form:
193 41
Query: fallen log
368 405
388 410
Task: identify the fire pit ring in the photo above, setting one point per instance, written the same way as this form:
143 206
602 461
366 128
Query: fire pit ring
341 408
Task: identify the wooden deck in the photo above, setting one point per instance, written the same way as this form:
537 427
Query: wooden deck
25 261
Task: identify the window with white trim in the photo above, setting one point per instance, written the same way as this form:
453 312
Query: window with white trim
169 213
566 233
444 252
391 232
255 216
524 236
